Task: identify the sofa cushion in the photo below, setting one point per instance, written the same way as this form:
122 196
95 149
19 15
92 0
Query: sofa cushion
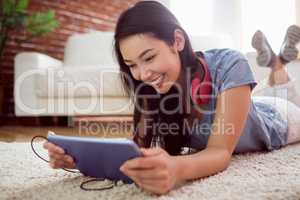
86 106
84 81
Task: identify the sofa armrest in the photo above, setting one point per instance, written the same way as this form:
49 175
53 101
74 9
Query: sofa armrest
33 60
26 66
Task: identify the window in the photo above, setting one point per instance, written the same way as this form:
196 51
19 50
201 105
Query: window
195 16
237 18
270 16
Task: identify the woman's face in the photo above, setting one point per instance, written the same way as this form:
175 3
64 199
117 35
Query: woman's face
152 61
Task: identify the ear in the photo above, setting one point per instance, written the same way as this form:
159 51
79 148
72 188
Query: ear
179 40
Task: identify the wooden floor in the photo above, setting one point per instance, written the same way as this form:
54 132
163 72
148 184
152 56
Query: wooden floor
25 133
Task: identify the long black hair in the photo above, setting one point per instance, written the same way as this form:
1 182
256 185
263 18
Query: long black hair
151 17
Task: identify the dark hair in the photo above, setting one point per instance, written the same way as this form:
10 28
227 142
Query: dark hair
151 17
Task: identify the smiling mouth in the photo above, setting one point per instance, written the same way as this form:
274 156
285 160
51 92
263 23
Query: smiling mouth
158 81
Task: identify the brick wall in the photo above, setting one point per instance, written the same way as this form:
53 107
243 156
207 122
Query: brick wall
74 16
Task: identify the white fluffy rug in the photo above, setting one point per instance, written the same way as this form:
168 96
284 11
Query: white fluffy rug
273 175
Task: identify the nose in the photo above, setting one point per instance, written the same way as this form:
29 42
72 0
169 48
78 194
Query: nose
145 74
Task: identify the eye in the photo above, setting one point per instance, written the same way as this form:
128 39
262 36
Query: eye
150 58
131 66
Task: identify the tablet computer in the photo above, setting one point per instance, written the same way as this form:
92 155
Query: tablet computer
98 157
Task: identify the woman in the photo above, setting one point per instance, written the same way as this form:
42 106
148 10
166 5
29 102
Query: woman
185 99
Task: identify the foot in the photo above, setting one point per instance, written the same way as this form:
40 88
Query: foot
288 51
265 54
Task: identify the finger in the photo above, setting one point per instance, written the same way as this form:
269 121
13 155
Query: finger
141 163
59 150
150 182
69 161
69 165
45 145
56 164
51 164
49 145
134 179
151 151
61 158
55 156
155 174
54 148
148 185
154 188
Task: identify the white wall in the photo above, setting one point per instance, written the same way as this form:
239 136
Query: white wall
297 7
210 17
165 2
227 19
236 18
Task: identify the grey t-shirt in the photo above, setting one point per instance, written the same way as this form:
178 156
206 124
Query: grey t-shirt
265 128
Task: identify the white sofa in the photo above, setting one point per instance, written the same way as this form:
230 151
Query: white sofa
86 82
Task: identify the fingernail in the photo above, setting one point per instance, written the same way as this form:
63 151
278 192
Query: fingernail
66 158
60 150
45 146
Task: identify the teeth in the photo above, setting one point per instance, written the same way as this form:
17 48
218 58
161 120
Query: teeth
157 81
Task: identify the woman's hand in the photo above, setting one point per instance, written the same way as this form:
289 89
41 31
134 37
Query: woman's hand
156 172
58 158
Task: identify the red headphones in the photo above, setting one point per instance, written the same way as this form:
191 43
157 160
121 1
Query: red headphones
201 91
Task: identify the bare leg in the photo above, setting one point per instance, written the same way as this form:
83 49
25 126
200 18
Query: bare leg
278 74
266 56
279 83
